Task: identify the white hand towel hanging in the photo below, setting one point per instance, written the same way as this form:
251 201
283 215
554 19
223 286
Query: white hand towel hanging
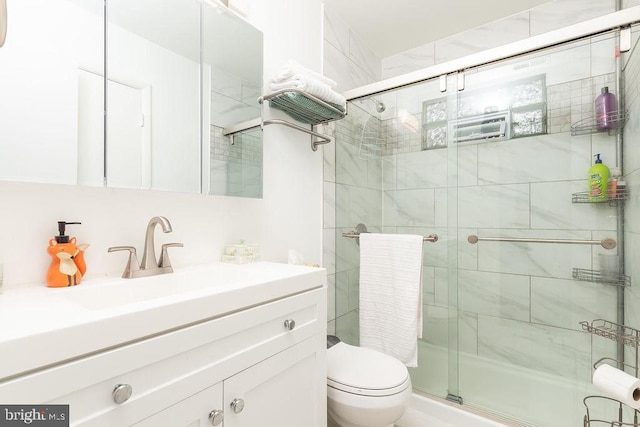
390 294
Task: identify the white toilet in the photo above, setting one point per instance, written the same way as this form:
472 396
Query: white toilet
365 388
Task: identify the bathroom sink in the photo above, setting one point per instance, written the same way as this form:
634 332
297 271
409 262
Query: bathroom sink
182 283
103 313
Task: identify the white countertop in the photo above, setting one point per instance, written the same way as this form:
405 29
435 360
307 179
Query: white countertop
43 326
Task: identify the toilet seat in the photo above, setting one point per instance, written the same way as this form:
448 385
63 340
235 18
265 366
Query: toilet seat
368 392
365 372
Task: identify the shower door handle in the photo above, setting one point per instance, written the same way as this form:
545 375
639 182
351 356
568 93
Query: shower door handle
460 81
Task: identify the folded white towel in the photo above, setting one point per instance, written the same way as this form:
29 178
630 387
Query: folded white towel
292 68
390 294
311 86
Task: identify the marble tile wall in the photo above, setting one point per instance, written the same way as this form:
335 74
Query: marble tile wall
549 16
347 60
358 189
519 304
353 195
494 34
631 172
632 175
508 289
560 13
356 180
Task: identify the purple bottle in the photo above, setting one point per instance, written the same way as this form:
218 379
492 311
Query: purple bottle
606 107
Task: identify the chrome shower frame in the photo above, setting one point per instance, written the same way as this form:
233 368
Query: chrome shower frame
619 20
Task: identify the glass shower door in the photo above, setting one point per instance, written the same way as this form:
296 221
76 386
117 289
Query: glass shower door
494 159
420 187
521 169
392 176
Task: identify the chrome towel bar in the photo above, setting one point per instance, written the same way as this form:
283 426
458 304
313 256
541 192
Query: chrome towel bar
322 139
606 243
355 235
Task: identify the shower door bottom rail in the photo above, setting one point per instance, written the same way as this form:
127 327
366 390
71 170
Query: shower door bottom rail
607 243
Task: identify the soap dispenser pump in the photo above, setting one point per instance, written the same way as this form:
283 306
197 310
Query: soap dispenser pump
67 259
598 180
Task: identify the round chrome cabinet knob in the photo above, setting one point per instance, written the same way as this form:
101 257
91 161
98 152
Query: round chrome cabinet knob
216 417
237 405
121 393
289 324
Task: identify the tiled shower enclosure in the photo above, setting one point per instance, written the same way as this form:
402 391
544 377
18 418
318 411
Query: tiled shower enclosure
501 319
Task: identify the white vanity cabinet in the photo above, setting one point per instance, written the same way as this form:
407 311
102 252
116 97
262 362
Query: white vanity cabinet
263 365
193 411
280 391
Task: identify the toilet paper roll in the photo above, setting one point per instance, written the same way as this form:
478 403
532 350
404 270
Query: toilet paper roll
618 385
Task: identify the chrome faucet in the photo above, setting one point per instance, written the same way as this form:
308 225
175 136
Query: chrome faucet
150 265
149 260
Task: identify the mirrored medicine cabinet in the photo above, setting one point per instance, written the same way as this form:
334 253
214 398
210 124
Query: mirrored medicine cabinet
166 77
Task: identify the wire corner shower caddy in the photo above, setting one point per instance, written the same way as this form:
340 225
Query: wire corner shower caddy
629 337
590 124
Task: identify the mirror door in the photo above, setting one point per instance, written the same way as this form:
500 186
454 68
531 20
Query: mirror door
51 45
153 57
178 72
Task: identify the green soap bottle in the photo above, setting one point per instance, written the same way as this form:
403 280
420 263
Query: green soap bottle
598 178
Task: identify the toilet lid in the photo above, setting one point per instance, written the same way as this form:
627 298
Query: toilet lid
364 369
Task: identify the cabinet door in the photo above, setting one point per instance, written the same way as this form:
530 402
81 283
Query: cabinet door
191 412
286 390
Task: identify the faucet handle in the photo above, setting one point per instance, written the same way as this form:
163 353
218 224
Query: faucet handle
132 263
164 261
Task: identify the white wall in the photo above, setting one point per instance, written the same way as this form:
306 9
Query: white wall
40 77
292 171
112 217
289 216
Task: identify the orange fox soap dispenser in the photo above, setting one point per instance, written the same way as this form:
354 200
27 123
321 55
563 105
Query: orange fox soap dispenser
67 259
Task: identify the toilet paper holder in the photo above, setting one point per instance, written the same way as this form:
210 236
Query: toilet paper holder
616 363
593 420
